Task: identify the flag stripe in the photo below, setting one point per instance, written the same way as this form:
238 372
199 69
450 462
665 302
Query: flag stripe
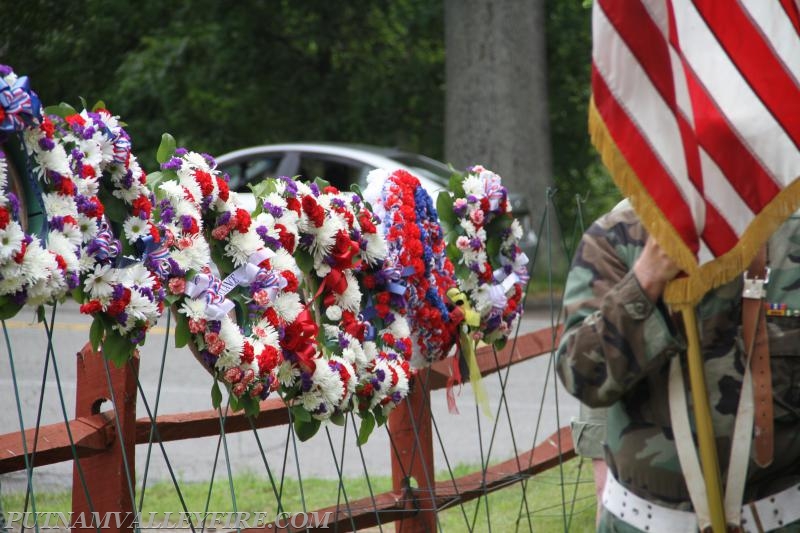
780 28
657 123
791 10
636 28
734 100
753 57
644 162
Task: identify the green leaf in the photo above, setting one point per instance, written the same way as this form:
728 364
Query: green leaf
62 110
356 188
99 105
223 262
493 247
116 348
263 188
299 413
365 430
83 102
453 253
234 402
154 179
304 260
40 314
447 217
322 183
96 333
306 430
338 418
166 148
8 309
216 395
380 418
182 333
456 185
251 406
115 208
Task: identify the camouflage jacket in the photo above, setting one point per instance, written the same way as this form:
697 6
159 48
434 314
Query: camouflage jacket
617 346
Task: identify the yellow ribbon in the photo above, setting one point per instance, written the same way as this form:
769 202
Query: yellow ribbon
472 320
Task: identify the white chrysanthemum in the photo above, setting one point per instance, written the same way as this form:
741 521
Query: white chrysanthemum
55 160
265 219
232 337
283 260
136 274
195 256
350 299
275 198
99 283
193 309
87 263
186 178
370 350
141 308
288 306
88 186
376 248
473 185
373 193
59 205
354 353
468 226
333 312
3 179
135 228
11 278
171 190
61 245
242 245
399 328
10 240
516 230
196 160
470 283
303 189
127 195
87 226
266 334
72 232
287 374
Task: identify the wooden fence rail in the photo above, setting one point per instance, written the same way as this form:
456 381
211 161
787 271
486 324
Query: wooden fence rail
107 462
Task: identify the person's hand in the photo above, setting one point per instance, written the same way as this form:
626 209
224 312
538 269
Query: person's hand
654 269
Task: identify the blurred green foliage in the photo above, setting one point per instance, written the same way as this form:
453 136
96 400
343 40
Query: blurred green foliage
224 75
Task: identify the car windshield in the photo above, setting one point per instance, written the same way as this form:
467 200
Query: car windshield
429 168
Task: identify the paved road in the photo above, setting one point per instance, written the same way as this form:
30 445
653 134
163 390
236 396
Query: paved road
534 409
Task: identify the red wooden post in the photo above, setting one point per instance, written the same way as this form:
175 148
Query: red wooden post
104 473
415 451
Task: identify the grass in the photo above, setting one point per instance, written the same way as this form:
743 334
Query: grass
544 493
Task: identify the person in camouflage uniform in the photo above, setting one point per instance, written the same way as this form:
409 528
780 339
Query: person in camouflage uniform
619 339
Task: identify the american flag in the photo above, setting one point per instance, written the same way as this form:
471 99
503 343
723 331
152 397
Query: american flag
696 112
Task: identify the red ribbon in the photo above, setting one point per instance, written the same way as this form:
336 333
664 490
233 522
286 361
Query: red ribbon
455 378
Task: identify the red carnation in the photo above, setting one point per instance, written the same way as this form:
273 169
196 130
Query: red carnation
4 215
91 307
294 205
286 237
203 179
224 190
330 189
141 205
313 210
268 359
48 127
75 119
67 187
88 171
248 353
291 281
242 220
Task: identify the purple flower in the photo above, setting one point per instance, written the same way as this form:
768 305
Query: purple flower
181 151
173 164
46 144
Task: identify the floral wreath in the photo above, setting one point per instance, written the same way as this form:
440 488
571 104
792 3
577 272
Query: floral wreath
358 366
417 256
483 242
203 220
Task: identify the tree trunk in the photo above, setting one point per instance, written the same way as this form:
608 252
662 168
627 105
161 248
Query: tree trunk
496 98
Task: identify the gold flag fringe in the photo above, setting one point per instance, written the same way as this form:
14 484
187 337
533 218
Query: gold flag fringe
700 279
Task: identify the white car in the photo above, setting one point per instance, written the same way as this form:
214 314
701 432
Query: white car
343 165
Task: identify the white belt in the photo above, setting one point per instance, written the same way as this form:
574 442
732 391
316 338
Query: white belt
765 514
